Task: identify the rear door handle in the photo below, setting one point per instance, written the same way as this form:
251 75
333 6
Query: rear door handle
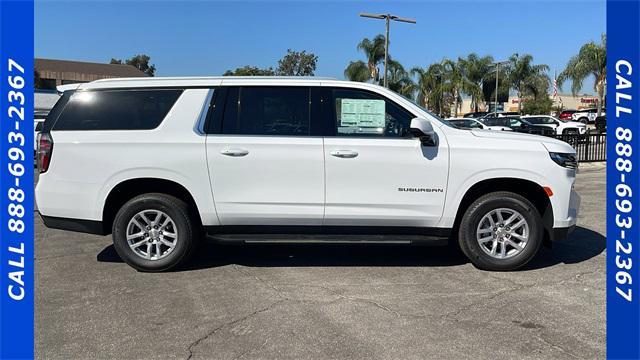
234 152
346 154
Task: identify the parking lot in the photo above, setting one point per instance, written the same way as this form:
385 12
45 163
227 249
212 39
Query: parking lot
325 302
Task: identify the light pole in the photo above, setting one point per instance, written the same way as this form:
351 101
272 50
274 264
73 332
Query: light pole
387 17
497 64
439 80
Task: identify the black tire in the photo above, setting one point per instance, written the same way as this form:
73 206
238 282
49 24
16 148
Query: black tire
474 214
186 230
584 120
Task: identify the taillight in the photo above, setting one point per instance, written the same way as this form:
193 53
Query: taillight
45 148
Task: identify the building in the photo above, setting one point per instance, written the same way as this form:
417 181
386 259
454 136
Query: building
61 72
566 101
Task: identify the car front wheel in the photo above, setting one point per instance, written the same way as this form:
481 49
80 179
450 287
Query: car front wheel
154 232
500 231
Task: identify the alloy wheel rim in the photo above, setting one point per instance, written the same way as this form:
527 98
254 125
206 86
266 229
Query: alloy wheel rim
503 233
152 234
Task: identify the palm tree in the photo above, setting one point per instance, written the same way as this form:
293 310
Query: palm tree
457 82
525 77
429 86
357 71
590 60
398 79
477 70
374 51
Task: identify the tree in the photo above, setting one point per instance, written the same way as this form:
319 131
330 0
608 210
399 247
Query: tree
297 63
456 82
538 106
398 79
249 70
489 87
141 62
591 60
429 86
37 81
477 70
357 71
374 51
525 77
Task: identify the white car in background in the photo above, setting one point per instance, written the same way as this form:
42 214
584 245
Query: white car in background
587 116
561 127
470 123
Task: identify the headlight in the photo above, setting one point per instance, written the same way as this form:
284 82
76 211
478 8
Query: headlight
565 160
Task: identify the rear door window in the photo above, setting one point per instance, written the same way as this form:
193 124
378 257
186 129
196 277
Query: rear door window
267 110
116 109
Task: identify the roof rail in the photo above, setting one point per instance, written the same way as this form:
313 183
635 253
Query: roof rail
215 78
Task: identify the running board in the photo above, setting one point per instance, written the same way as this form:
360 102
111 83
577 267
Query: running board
327 239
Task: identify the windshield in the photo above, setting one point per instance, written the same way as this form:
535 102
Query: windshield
495 121
446 122
542 120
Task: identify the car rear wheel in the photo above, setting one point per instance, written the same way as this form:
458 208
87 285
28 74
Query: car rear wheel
154 232
584 120
500 231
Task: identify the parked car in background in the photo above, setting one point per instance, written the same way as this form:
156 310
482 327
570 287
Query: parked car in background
477 114
500 114
566 114
601 124
587 116
467 123
476 124
518 124
560 127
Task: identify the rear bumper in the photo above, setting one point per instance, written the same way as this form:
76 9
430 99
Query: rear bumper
77 225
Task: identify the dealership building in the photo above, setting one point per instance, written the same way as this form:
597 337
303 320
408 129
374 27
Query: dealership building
566 101
61 72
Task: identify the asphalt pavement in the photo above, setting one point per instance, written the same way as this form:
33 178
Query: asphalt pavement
325 302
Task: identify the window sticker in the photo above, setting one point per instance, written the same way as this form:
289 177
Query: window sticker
362 113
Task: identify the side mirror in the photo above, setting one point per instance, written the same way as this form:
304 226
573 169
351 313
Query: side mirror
422 129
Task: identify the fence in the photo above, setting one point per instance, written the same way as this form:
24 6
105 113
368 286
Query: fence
589 147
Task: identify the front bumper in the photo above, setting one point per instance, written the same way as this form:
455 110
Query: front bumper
570 217
559 234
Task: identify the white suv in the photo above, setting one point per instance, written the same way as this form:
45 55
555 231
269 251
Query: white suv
561 127
160 162
587 116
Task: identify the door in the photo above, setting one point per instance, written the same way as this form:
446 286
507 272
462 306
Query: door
376 173
264 166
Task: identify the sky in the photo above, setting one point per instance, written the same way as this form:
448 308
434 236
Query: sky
206 38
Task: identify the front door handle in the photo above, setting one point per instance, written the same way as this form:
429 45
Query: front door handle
234 152
346 154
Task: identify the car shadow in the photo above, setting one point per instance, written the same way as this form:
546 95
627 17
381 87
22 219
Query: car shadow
582 245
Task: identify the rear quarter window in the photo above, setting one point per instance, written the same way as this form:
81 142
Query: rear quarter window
116 109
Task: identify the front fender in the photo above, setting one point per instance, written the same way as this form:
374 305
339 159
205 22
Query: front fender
454 198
